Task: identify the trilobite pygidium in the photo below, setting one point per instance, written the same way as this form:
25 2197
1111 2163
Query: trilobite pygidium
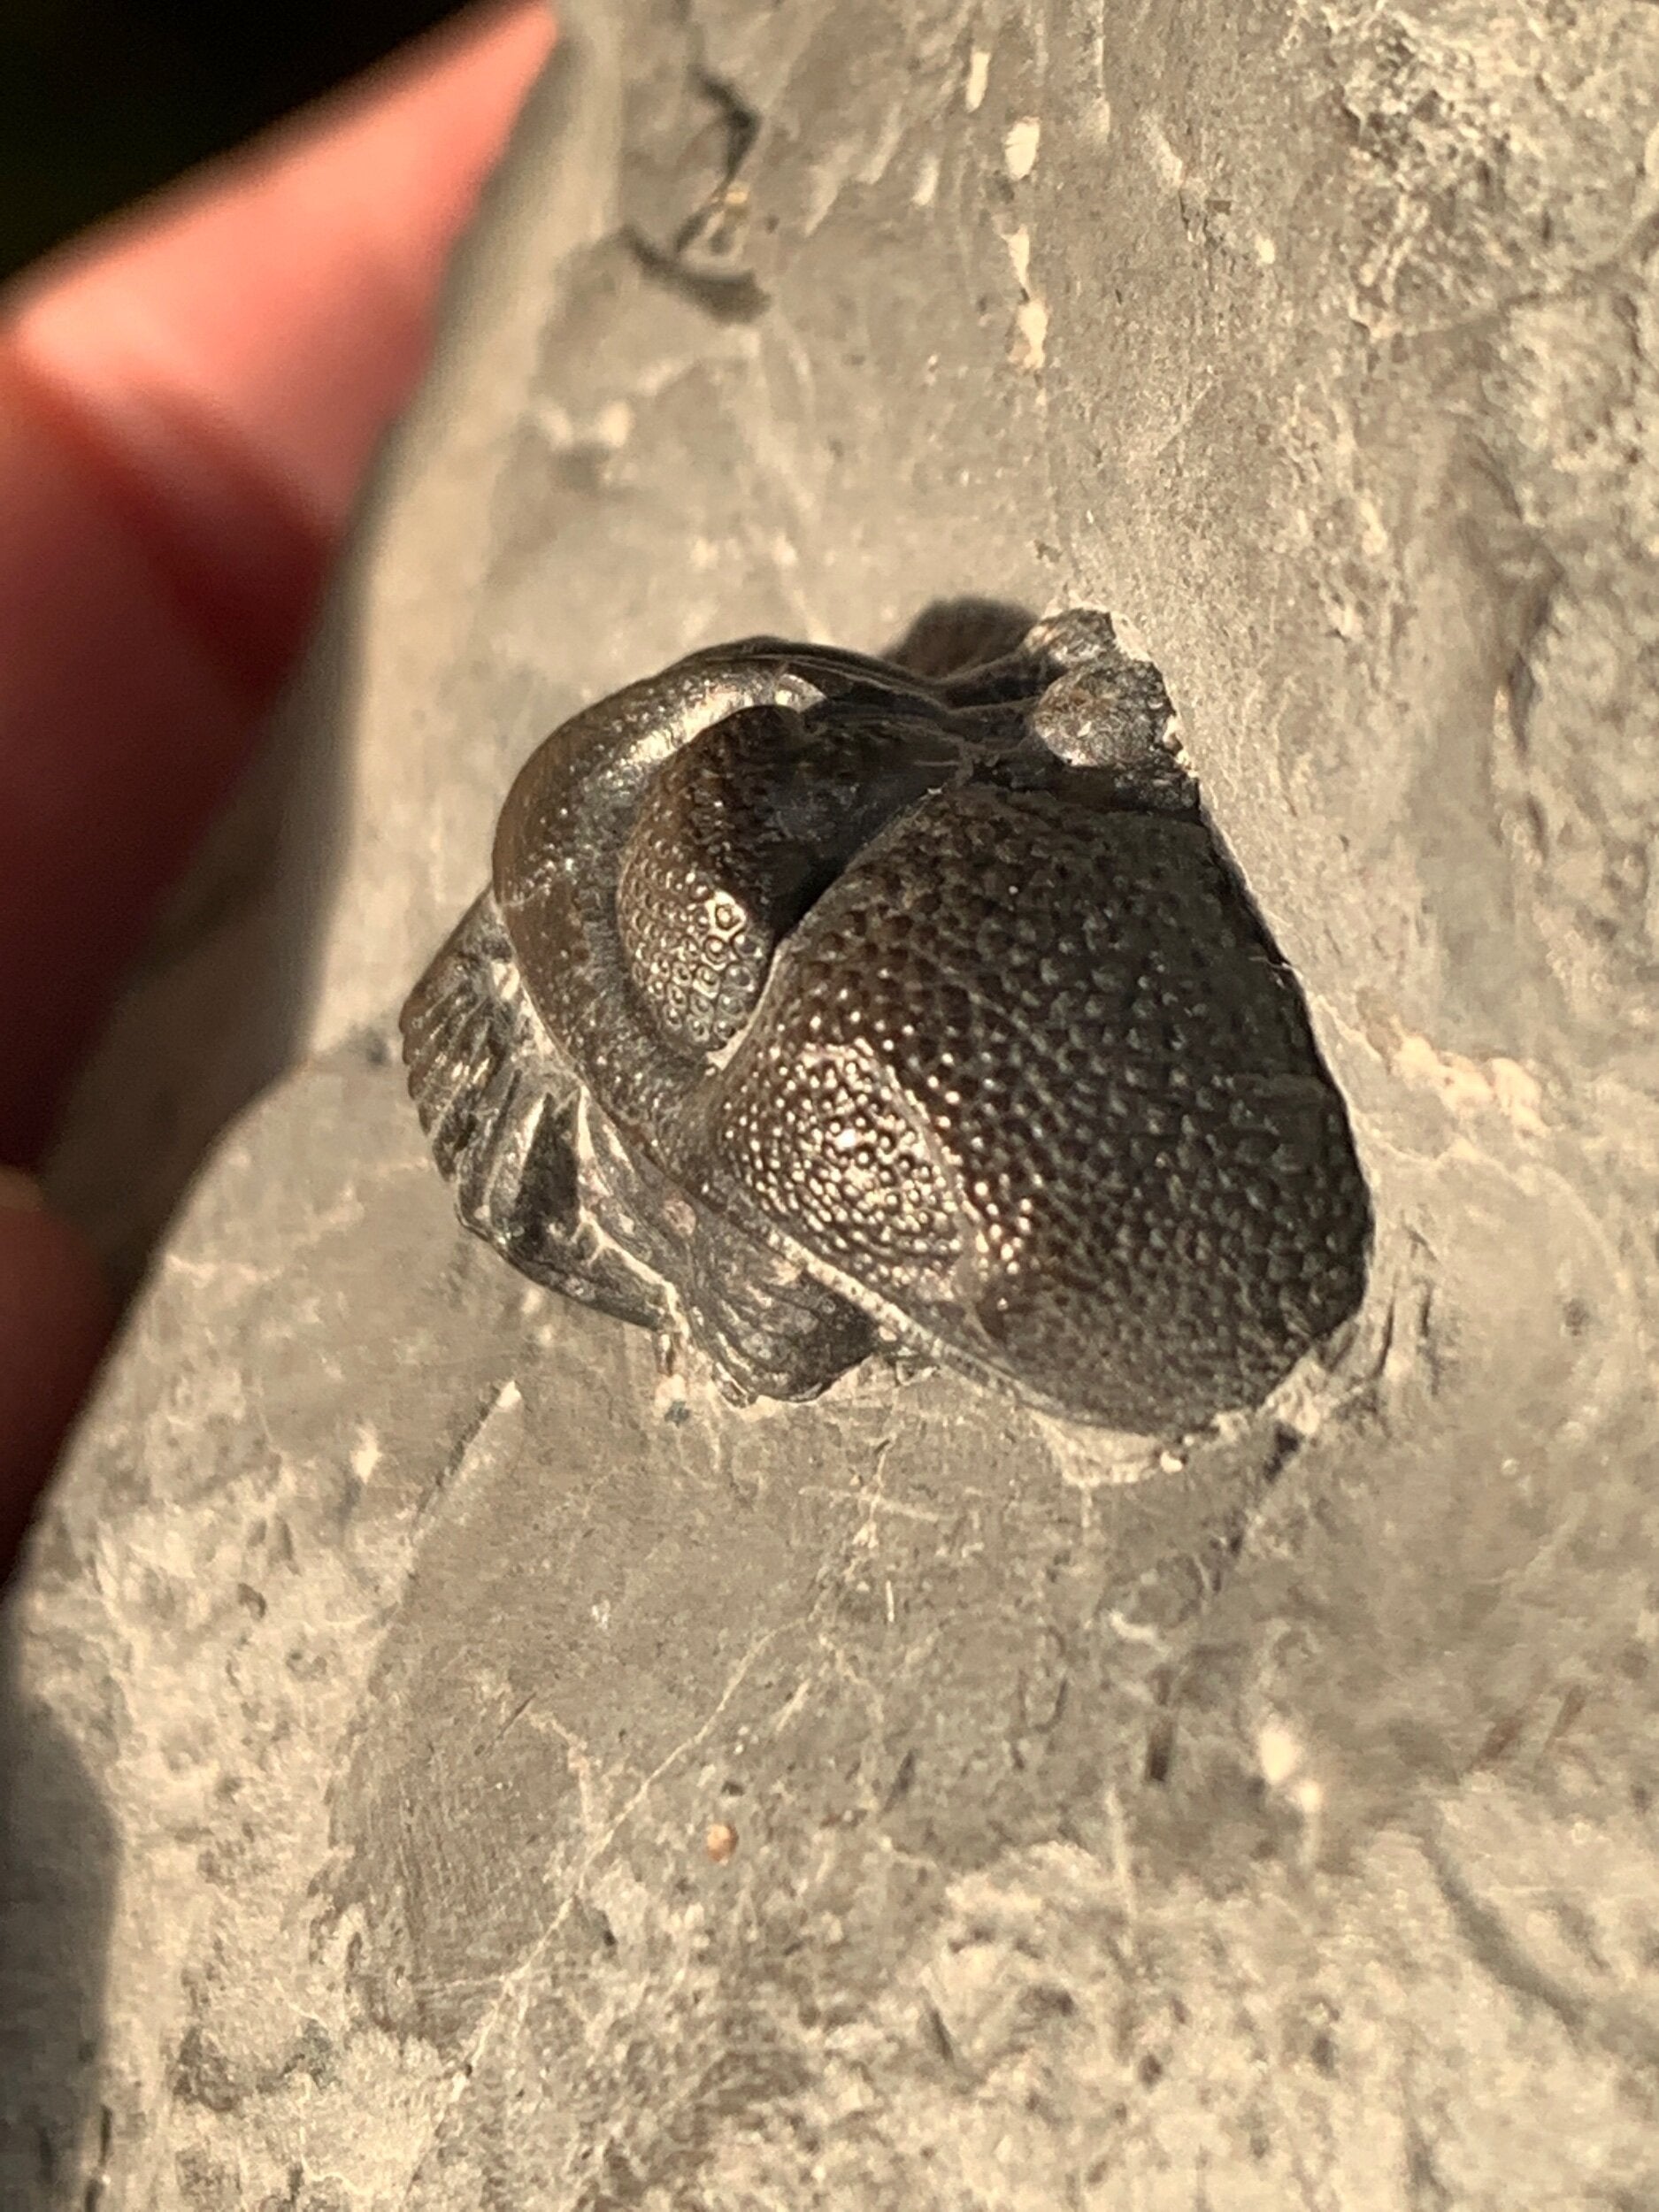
817 1006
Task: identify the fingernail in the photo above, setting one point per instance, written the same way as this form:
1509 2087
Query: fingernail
20 1194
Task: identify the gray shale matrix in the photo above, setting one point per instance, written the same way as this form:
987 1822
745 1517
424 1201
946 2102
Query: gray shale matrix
1276 1831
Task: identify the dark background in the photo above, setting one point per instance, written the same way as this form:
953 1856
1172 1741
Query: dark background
101 100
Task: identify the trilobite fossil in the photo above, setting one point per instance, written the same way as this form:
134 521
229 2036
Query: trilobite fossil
819 1006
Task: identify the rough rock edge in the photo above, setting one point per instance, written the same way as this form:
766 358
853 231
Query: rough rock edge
1358 1908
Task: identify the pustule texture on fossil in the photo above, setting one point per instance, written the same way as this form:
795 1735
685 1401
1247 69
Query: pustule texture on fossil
820 1005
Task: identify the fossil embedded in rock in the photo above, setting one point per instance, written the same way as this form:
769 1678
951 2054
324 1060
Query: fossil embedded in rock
818 1006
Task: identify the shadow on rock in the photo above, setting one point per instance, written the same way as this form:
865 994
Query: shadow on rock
57 1871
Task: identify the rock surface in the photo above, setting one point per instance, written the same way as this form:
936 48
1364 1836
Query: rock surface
451 1769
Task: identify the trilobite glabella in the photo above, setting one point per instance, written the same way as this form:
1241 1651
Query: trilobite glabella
819 1006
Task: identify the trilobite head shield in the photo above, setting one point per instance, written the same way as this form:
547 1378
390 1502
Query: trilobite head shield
818 1006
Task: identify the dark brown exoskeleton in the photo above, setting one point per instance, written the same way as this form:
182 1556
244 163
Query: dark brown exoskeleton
818 1006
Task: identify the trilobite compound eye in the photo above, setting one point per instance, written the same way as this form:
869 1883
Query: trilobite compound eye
737 836
708 883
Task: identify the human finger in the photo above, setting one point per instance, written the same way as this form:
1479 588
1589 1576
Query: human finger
188 401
